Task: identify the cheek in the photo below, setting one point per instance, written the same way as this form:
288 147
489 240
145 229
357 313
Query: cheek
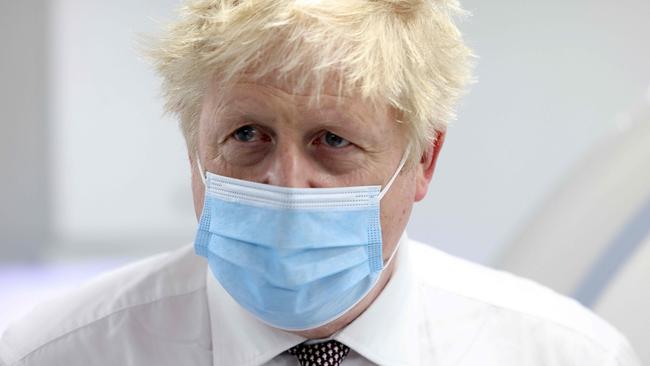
395 212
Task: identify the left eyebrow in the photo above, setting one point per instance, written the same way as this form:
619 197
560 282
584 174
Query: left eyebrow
231 112
347 122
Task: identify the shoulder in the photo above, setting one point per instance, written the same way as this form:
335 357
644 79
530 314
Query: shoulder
140 286
515 307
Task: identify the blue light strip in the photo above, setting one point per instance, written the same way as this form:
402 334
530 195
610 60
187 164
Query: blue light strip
614 257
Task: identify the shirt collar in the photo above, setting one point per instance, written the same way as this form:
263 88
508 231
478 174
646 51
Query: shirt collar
385 333
238 338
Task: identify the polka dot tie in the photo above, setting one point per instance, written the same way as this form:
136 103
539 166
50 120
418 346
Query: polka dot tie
330 353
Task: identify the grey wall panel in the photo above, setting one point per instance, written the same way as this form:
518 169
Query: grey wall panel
25 205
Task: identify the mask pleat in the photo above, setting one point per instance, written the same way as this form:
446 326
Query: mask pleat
288 268
281 228
280 300
247 192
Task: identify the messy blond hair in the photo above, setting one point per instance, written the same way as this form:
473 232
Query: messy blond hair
404 53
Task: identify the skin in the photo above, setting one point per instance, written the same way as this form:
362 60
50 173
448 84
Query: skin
287 144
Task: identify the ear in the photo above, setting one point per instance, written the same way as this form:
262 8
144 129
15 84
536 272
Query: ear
427 165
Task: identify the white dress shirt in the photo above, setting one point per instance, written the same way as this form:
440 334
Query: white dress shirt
435 310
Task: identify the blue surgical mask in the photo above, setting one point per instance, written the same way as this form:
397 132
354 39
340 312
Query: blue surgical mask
295 258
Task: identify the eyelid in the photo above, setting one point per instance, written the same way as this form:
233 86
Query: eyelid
321 135
260 132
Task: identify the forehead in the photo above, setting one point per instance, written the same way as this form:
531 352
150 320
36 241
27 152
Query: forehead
290 95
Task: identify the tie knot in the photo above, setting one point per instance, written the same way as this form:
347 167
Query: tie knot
329 353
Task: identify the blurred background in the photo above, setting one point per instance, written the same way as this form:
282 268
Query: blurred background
545 173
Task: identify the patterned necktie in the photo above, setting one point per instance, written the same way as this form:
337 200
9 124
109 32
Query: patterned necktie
330 353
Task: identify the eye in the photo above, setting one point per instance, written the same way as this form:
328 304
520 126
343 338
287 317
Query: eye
246 133
333 140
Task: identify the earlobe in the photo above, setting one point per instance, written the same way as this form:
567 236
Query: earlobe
427 166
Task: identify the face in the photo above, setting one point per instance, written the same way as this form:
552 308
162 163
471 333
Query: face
262 132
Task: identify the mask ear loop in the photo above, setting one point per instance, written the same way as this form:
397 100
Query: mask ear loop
399 169
383 192
393 255
201 173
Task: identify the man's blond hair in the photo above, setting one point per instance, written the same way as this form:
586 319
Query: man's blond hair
406 53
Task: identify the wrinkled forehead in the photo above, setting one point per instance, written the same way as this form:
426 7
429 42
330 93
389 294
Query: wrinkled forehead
306 93
303 85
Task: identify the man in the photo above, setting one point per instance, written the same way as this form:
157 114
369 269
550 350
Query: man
312 127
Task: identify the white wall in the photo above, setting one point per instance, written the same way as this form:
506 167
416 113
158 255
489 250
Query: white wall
552 77
120 173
